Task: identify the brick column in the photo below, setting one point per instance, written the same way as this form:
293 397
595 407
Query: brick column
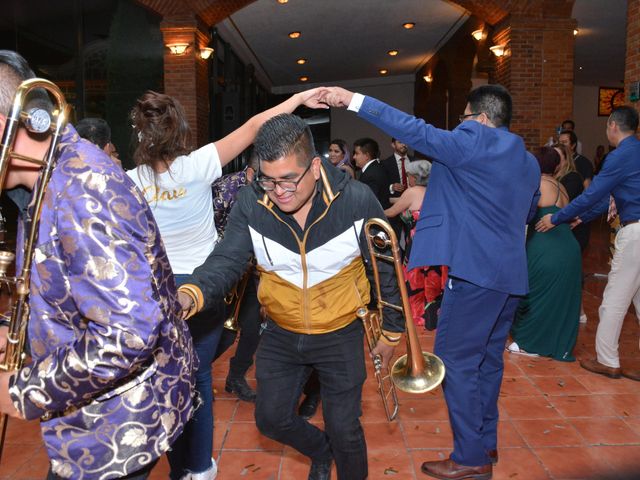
632 63
186 76
538 71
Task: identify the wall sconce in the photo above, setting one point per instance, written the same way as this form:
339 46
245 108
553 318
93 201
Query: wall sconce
177 48
499 50
477 34
428 78
206 52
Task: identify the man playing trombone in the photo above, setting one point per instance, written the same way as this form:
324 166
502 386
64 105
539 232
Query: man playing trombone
111 371
303 221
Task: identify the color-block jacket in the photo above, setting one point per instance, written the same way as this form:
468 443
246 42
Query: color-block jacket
111 377
312 280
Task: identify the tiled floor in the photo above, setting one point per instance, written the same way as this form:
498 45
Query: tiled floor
558 421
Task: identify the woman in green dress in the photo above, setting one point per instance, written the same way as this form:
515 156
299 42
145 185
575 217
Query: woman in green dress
546 322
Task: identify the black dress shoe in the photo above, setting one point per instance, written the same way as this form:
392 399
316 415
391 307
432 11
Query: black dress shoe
320 470
309 406
240 388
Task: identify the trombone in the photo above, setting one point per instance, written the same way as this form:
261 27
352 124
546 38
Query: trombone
416 371
36 120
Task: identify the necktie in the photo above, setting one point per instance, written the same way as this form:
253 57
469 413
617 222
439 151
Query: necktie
404 172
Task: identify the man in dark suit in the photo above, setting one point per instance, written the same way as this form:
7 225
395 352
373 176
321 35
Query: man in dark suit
482 191
365 155
396 168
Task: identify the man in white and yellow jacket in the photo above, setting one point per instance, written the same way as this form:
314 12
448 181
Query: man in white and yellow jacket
303 221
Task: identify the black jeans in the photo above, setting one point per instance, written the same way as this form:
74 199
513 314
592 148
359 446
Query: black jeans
249 321
283 364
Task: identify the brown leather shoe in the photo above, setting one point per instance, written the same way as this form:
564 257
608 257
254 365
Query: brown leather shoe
450 470
595 366
632 374
493 456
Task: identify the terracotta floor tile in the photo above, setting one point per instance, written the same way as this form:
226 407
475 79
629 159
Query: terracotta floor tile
244 412
625 461
559 386
584 406
427 434
20 463
249 465
392 463
20 432
605 431
625 405
518 463
161 470
424 409
220 433
575 463
600 384
528 407
511 369
427 455
224 409
295 465
381 436
548 433
541 366
245 436
373 410
508 436
633 423
517 386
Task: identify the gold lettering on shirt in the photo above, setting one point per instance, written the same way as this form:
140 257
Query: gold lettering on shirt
154 194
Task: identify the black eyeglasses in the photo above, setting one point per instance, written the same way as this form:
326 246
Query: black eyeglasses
268 184
462 118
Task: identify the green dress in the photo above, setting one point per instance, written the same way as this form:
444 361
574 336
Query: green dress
547 318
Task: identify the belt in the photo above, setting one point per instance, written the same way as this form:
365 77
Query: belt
624 224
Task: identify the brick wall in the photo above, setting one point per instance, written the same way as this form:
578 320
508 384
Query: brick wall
632 64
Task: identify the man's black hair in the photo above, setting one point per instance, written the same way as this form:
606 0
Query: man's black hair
14 69
626 118
283 135
96 130
369 146
494 101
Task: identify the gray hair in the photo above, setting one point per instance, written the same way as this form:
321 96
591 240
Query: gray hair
420 169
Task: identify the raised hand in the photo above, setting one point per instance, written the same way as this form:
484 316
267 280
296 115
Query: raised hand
337 97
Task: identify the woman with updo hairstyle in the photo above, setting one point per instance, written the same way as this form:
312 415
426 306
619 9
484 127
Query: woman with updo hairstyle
339 156
546 321
176 181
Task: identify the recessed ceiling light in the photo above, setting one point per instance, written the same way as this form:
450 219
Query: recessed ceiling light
295 35
301 61
575 32
393 53
283 1
303 79
383 71
409 25
579 68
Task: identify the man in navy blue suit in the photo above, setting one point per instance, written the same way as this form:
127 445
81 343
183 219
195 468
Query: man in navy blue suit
482 191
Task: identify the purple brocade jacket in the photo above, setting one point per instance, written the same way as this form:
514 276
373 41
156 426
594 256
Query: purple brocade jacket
112 371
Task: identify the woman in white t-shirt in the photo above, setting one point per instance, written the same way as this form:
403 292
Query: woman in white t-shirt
176 182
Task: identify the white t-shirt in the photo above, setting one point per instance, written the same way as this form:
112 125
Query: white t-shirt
182 205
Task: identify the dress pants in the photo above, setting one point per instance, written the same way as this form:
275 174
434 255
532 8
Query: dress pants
470 340
283 363
623 287
249 321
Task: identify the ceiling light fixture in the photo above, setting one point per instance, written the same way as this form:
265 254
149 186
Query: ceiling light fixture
383 71
477 34
393 53
428 78
301 61
408 25
177 48
295 35
303 79
498 50
282 1
206 52
575 32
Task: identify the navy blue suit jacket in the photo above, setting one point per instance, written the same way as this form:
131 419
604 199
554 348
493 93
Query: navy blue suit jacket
482 191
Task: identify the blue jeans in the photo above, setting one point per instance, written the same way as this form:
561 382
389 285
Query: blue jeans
191 452
471 336
283 363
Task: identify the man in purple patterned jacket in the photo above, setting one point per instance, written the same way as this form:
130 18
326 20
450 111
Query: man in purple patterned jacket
111 375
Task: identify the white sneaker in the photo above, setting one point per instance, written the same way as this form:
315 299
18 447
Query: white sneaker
514 348
583 318
209 474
